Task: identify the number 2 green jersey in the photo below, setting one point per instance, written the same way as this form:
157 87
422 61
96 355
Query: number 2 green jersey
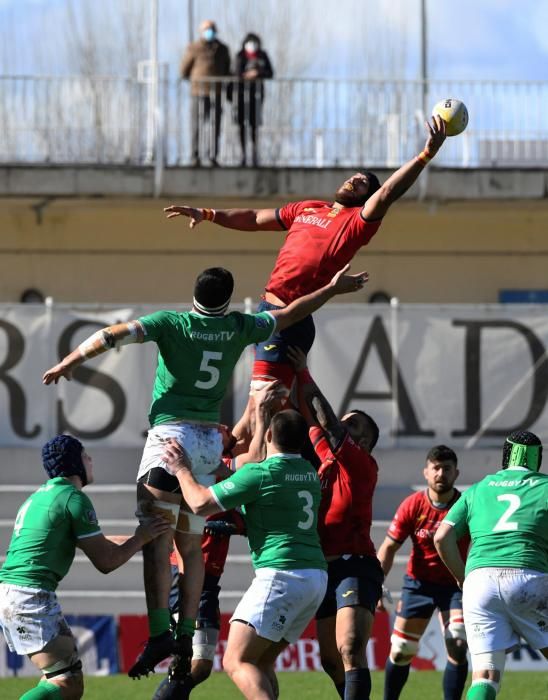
196 357
45 533
507 516
280 499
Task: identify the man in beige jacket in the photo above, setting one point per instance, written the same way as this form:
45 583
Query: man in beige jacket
203 60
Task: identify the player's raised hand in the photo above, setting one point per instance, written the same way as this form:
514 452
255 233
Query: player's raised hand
195 215
436 135
343 283
269 394
55 373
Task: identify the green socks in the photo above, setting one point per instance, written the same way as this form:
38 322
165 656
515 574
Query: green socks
185 626
481 691
158 621
43 691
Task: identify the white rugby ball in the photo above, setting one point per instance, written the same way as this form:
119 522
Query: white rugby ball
454 114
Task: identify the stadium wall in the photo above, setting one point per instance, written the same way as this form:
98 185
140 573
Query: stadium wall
123 250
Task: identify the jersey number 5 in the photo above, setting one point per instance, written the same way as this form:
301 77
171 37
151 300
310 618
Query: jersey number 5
307 508
503 523
205 366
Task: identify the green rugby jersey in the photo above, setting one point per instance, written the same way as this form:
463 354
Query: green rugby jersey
45 533
507 516
280 499
196 358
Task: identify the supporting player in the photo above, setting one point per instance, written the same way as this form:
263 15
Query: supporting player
505 582
348 475
281 497
198 351
427 584
321 237
50 524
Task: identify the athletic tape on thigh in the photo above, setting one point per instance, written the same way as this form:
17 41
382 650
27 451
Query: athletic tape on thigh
190 523
454 627
489 661
147 509
65 667
404 642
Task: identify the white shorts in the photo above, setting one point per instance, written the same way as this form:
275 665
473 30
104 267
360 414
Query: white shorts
30 618
202 443
502 605
280 604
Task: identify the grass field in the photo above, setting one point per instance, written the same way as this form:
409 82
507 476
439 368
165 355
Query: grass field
425 685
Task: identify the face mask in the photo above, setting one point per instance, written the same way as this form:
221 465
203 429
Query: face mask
251 46
208 34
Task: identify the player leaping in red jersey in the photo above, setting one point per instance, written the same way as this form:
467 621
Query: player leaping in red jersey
427 584
321 238
348 476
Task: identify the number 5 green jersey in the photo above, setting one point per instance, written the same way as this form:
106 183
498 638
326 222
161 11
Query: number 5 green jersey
196 358
506 515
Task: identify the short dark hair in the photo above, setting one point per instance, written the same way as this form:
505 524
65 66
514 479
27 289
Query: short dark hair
442 453
373 427
531 459
213 289
373 181
289 430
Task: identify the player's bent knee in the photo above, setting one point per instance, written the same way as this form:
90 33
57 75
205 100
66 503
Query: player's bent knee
456 650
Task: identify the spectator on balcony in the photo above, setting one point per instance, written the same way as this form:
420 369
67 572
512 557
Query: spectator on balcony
252 67
204 61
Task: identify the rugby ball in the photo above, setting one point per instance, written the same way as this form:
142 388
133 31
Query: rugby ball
454 114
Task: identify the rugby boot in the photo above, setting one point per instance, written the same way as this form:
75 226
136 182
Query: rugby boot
179 667
174 689
156 649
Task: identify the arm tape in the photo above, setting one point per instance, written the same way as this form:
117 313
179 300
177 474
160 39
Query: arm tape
106 339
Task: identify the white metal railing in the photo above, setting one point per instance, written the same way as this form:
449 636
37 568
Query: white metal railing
302 122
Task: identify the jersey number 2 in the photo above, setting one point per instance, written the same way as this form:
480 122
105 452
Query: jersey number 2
503 523
214 374
307 508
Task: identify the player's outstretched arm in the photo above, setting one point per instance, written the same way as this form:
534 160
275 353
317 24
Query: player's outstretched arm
445 541
107 554
265 400
300 308
96 344
239 219
400 181
313 405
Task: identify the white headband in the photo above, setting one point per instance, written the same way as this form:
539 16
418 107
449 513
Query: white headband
211 310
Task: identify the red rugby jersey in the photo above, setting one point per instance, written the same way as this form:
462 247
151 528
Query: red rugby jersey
348 477
419 519
320 241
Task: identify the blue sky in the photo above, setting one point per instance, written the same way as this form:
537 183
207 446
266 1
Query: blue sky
468 39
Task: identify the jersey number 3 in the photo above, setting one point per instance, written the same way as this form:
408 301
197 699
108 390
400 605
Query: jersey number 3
504 523
306 524
207 357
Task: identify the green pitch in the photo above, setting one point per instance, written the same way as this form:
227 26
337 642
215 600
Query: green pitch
425 685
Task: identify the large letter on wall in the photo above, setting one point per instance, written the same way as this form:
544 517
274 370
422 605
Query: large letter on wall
17 402
377 337
91 377
473 417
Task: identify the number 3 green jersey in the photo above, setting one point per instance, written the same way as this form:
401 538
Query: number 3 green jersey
46 529
280 499
196 358
507 516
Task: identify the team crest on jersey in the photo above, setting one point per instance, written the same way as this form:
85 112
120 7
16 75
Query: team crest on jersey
228 486
92 517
